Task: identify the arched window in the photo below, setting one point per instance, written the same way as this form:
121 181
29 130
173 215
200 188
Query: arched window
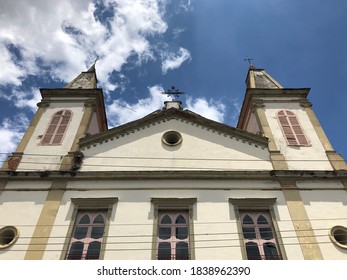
87 236
173 236
291 128
57 128
259 236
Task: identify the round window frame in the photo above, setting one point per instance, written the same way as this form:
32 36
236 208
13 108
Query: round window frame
333 239
15 232
172 133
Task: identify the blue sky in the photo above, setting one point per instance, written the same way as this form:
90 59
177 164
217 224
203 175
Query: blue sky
145 47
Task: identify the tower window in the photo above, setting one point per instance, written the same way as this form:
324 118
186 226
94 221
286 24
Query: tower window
57 128
291 128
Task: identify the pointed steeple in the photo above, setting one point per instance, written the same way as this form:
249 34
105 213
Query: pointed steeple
258 78
85 80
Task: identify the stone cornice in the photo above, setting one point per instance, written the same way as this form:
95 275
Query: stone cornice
173 175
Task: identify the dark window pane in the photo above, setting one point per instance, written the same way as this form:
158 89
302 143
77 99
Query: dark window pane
252 251
93 250
182 252
266 233
85 219
248 233
80 232
164 251
262 220
76 251
180 220
270 251
248 220
97 232
164 232
182 232
99 219
166 220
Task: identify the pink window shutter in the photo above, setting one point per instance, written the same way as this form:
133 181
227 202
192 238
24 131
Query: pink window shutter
291 128
57 128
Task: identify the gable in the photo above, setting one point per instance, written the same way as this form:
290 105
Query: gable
202 148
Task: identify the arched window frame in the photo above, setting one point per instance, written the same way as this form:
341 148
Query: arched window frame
172 235
87 239
291 128
89 205
57 128
258 230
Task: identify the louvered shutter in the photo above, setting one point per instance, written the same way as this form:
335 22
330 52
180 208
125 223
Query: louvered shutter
291 128
57 128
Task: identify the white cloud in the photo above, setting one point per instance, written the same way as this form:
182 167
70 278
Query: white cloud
23 99
11 133
209 109
121 112
69 36
13 71
172 61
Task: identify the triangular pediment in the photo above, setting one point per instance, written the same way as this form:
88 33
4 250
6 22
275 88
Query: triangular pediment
169 114
197 144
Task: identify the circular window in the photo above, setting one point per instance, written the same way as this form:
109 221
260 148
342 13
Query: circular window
8 236
172 138
338 235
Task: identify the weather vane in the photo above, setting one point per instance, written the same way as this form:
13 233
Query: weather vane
249 60
173 92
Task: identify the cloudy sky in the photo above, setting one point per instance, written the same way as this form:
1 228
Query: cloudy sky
146 46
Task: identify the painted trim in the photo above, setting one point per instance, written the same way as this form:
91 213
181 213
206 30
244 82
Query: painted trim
28 133
336 160
45 223
301 222
277 159
66 162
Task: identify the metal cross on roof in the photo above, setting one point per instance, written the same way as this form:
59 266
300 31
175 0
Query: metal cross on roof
249 60
173 92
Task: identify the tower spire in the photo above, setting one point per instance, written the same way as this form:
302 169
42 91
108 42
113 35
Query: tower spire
258 78
85 80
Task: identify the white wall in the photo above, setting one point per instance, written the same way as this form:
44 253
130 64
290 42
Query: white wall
48 157
215 228
326 208
21 209
312 157
200 149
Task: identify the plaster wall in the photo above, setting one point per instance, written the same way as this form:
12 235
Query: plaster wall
200 149
48 157
312 157
326 207
131 226
21 209
252 125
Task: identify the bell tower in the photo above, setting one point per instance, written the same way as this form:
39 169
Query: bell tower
284 115
64 116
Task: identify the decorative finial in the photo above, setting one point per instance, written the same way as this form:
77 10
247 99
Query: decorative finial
173 92
249 60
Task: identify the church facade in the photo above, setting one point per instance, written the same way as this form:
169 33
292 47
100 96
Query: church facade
174 185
